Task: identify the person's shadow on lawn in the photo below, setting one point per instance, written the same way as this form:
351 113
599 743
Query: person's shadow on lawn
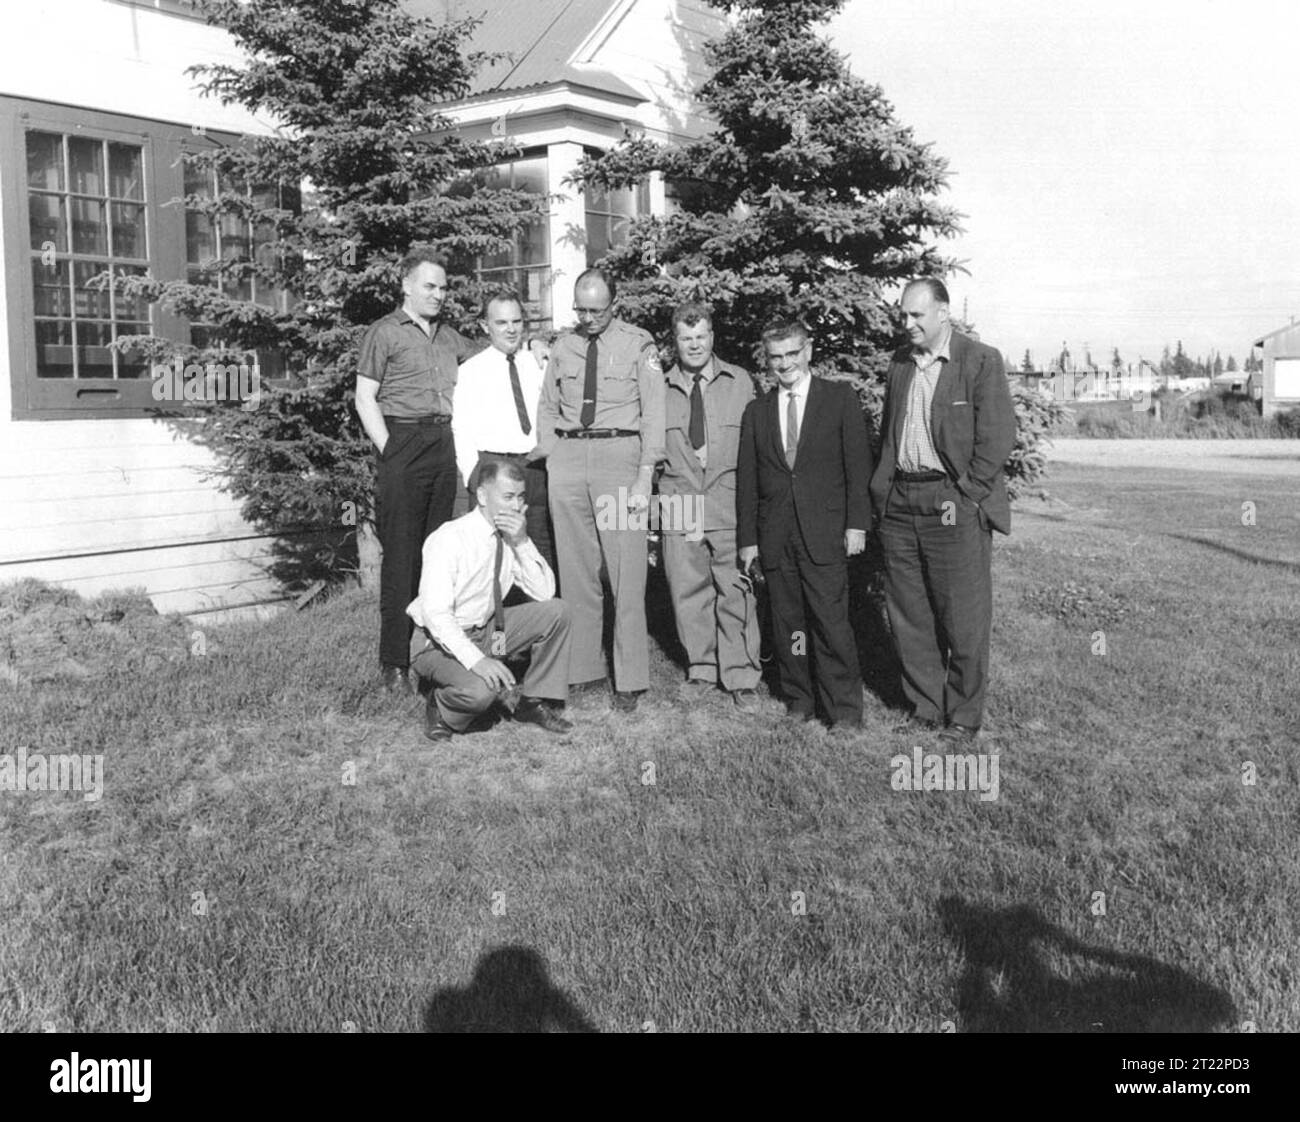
510 992
1009 986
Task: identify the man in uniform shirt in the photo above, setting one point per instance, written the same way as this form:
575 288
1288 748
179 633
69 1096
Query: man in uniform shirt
406 375
470 565
948 427
494 414
601 426
715 608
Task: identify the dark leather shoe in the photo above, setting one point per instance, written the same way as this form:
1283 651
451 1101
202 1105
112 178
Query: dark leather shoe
962 734
397 679
435 728
917 724
535 711
798 714
625 700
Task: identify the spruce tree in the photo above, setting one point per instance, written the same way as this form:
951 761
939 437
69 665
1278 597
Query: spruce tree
361 166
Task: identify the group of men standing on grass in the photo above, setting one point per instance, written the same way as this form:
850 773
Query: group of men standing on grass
777 488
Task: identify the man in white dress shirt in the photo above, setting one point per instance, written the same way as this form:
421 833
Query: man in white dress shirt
494 411
467 633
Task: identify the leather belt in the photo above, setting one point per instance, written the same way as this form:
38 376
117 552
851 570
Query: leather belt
427 419
503 455
920 476
594 434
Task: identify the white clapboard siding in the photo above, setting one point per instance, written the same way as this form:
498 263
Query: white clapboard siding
110 504
187 578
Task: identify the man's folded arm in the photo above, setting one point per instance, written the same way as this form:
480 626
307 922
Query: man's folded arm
533 574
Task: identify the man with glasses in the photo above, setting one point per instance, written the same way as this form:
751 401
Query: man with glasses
600 425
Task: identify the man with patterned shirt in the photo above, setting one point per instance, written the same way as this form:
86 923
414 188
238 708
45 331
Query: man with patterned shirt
601 427
406 375
938 491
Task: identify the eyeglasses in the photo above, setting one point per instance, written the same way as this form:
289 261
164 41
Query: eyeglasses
580 312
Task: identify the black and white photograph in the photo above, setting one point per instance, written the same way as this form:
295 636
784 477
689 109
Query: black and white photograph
651 516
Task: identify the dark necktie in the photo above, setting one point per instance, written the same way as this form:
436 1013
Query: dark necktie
697 414
498 610
518 391
588 414
791 430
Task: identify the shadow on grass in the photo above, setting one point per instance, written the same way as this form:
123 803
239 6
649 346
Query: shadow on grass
1240 554
1008 986
510 992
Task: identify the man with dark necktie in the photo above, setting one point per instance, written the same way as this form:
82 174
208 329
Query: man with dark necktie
717 617
494 415
467 633
600 425
802 509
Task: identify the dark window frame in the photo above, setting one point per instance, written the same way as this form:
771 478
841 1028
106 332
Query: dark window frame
514 274
162 144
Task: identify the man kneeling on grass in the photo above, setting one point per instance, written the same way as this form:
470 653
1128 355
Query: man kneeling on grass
469 567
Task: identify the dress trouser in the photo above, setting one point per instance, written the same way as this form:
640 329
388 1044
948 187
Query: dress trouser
538 514
461 695
717 615
588 485
810 605
414 493
939 595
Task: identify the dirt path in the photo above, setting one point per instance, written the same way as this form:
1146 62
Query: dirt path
1242 457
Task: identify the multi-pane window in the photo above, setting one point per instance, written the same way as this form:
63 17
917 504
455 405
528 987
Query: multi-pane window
609 217
526 264
230 237
88 194
87 216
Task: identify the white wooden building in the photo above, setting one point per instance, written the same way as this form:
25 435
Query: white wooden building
1280 377
95 108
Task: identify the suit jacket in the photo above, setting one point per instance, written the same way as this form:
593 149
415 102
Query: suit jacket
714 486
972 423
824 495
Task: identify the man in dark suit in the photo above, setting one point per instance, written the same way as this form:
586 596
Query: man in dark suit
947 430
802 509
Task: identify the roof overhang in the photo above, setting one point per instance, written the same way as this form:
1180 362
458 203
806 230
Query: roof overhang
561 110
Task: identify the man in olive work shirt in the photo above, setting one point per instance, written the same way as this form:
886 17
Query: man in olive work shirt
406 374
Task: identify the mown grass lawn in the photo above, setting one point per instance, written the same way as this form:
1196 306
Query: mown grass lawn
686 869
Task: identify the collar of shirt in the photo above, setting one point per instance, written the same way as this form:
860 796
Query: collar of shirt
684 381
799 389
925 360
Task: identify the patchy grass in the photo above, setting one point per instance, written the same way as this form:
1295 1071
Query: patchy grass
234 878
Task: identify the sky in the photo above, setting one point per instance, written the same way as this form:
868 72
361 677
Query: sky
1129 172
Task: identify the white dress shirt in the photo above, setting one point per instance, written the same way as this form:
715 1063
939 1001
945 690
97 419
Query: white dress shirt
483 413
800 391
456 581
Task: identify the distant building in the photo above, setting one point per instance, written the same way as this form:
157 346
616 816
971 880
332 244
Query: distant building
1279 381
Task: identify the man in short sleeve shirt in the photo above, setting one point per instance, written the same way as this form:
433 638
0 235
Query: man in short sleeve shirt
406 376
